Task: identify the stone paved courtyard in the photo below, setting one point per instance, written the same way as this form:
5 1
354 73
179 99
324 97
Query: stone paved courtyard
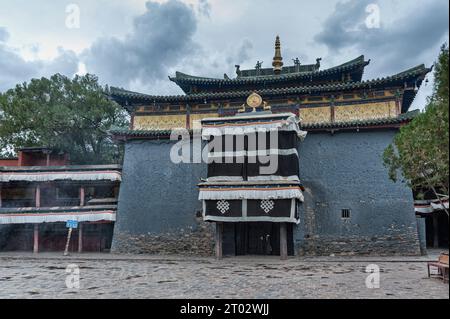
116 276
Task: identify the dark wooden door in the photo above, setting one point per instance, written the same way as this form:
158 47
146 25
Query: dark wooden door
260 238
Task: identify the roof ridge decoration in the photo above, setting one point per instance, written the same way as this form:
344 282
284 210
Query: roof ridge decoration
277 59
181 77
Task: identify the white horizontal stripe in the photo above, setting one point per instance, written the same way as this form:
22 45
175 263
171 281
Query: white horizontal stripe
285 125
277 116
227 154
251 194
438 205
252 219
274 178
54 176
272 151
225 179
55 217
423 210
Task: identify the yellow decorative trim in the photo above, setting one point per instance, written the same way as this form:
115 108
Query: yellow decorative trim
315 115
365 111
159 122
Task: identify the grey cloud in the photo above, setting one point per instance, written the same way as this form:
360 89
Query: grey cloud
204 8
404 43
161 38
345 25
65 63
4 35
243 53
14 69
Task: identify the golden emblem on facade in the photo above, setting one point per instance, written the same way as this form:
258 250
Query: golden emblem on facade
254 101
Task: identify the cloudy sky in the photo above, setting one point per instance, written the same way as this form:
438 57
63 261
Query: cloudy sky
136 44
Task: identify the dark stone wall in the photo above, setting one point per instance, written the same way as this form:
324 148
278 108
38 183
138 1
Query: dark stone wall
158 200
421 231
6 233
345 171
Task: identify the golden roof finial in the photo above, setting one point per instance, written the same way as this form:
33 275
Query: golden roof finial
277 59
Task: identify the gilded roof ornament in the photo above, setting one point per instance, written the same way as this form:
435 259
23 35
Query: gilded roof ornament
277 59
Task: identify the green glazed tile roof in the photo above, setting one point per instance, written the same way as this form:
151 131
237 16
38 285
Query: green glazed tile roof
186 78
140 133
128 98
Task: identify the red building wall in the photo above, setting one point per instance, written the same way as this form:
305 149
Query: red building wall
41 159
9 162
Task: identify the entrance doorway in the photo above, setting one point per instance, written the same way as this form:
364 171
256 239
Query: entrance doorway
437 230
255 238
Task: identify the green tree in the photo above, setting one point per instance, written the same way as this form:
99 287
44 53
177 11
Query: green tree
420 151
71 115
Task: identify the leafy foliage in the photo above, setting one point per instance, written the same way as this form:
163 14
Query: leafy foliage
71 115
420 151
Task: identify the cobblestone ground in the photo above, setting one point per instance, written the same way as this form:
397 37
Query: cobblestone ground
161 277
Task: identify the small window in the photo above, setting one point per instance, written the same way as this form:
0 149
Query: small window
345 213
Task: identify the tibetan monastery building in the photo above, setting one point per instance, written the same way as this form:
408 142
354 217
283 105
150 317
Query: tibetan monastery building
40 192
330 194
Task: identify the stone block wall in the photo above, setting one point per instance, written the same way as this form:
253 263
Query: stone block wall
158 203
345 171
158 200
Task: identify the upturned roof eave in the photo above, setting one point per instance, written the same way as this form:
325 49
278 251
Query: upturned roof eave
181 78
128 98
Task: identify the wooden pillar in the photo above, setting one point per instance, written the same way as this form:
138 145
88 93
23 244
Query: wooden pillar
435 231
219 239
283 241
132 121
398 106
332 110
188 117
36 226
36 239
80 237
38 196
81 196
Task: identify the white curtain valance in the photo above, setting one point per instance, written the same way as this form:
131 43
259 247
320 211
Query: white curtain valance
239 125
256 193
55 176
35 218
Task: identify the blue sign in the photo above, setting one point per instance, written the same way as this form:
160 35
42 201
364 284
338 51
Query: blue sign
72 224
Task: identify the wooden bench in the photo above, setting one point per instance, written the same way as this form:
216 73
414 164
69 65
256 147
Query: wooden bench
442 267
